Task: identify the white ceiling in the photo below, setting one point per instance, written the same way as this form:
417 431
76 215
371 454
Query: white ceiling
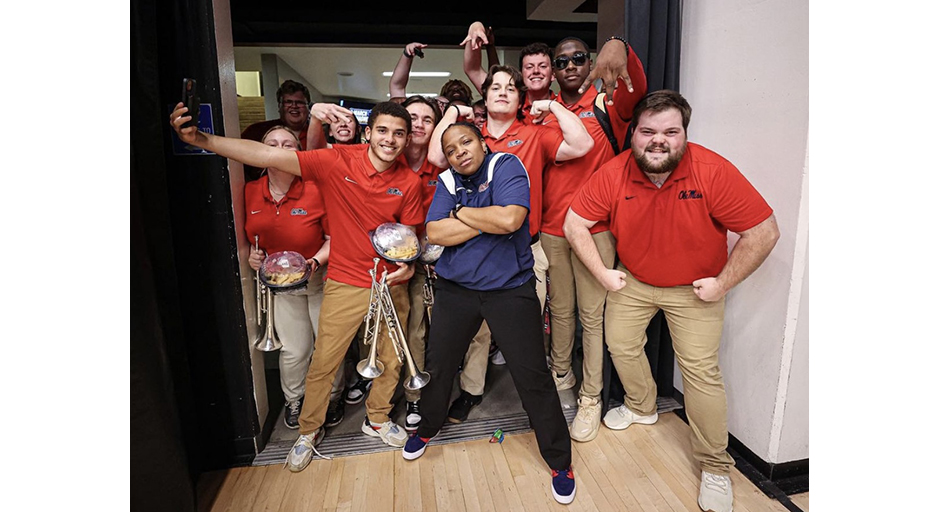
320 67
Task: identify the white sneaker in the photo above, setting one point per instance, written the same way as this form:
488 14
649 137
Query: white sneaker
390 433
497 358
621 418
715 493
588 420
302 452
566 382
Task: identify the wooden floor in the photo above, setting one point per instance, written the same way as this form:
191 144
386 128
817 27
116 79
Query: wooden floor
642 468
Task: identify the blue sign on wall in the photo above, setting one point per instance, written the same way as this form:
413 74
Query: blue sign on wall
205 126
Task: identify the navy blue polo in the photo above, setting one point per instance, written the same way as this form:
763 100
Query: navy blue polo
487 262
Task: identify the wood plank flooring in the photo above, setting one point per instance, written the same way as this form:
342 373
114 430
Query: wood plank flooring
642 468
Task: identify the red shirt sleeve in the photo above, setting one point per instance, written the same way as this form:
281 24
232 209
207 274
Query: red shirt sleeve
734 202
315 163
550 139
597 196
412 213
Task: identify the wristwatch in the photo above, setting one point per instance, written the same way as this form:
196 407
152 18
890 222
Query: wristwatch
457 209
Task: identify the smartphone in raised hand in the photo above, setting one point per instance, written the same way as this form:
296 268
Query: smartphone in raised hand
191 102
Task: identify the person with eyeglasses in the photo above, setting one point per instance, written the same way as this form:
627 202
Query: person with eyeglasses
538 147
293 100
573 289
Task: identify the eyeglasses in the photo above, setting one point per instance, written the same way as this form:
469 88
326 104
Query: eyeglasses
293 103
561 62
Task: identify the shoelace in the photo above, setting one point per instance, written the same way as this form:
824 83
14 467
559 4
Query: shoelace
716 482
294 407
587 411
313 446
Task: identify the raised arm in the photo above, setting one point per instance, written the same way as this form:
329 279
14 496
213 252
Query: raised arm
616 60
492 57
242 150
748 254
435 151
578 233
472 56
399 81
577 141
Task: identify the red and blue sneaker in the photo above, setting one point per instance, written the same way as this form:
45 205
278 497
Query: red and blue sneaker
563 486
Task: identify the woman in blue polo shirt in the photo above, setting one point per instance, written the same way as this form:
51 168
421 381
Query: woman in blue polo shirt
480 215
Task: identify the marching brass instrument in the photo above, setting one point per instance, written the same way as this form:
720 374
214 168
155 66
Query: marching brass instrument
428 289
264 301
382 308
430 253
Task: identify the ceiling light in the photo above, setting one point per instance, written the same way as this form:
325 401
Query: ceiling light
424 74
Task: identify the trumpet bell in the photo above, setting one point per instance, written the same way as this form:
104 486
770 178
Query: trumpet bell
418 381
370 372
268 344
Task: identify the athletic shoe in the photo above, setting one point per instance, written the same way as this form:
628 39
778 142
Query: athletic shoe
390 433
566 381
412 416
302 452
356 392
563 486
715 493
335 413
588 420
621 418
292 413
415 446
496 355
460 409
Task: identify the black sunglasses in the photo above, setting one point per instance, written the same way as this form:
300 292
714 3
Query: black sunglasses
561 62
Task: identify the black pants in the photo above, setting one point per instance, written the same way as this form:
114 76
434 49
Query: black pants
514 319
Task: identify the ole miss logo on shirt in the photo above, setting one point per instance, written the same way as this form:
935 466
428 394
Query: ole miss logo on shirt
432 183
394 192
690 194
298 211
514 143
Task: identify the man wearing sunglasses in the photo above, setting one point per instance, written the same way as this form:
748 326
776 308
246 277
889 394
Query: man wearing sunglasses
572 283
293 100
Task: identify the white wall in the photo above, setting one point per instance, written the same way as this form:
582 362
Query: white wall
745 71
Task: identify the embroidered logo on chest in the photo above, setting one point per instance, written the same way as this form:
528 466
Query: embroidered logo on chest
432 183
298 211
586 113
483 186
394 192
514 143
690 194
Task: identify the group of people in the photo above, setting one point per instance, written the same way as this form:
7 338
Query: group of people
600 190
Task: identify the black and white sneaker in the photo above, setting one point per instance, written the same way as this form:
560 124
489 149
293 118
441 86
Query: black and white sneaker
412 416
292 413
357 392
335 413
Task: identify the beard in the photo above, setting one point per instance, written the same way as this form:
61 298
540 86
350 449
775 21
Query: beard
663 166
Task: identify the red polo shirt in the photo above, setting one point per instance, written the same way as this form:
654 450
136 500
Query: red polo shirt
564 179
673 235
428 175
527 106
358 199
536 146
296 223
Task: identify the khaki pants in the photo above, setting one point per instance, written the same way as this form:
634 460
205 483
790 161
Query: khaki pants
695 326
417 325
473 376
573 283
295 320
344 307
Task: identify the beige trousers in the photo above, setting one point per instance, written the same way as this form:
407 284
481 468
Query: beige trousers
573 284
417 325
344 307
473 376
695 326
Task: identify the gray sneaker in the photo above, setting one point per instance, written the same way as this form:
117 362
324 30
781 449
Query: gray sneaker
302 452
621 418
715 493
389 432
588 420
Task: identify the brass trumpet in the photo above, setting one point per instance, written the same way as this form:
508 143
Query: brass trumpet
381 307
264 301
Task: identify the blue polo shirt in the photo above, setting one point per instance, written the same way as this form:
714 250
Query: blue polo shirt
487 262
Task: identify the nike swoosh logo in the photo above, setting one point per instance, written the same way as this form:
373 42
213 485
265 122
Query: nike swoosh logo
255 211
629 197
349 180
